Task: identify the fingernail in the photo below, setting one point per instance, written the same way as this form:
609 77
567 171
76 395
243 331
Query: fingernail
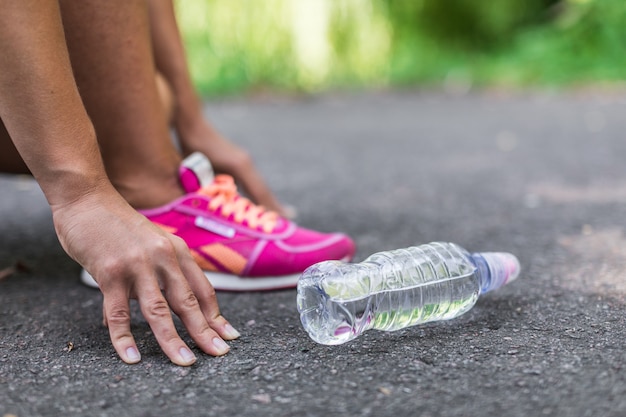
186 354
221 346
132 354
230 332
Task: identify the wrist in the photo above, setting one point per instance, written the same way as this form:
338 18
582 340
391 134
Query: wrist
71 185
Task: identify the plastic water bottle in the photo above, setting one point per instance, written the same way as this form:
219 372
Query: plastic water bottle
396 289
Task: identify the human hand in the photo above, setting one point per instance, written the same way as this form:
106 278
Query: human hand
228 158
130 258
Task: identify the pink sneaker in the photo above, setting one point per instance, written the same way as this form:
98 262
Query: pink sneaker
240 246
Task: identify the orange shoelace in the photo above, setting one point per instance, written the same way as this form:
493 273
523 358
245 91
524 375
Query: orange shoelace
223 194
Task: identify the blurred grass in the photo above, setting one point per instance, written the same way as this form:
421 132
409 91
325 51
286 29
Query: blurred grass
237 46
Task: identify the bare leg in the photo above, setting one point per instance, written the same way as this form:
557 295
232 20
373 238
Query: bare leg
193 130
122 99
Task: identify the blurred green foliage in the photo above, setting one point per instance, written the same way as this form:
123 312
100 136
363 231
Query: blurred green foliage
585 42
464 24
310 45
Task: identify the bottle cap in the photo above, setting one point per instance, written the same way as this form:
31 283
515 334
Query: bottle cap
503 268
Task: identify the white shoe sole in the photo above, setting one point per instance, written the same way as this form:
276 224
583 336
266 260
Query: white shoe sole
227 282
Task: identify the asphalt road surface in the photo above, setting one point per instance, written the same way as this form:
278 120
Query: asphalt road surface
541 175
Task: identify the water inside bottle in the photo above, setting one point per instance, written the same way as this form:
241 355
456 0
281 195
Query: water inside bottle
332 317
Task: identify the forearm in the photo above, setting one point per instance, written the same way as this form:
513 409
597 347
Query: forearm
171 61
40 105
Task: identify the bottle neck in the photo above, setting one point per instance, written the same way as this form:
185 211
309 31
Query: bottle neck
495 269
483 272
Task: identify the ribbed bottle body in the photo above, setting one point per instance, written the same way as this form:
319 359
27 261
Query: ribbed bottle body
388 291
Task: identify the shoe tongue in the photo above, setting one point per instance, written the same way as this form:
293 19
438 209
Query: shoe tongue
195 172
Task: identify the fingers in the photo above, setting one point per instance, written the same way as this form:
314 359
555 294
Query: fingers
185 304
117 317
186 292
196 307
156 311
202 294
236 161
253 184
259 192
